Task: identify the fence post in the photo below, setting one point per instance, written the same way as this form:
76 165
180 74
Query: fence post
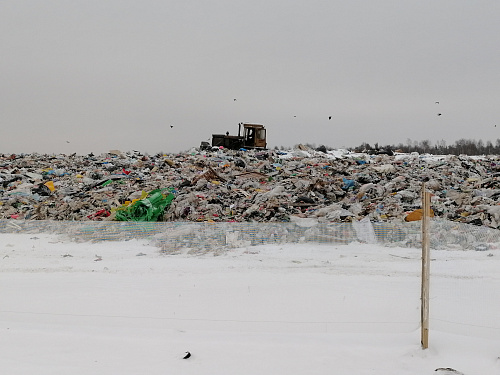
426 203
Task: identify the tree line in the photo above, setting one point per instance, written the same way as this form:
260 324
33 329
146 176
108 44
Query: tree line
460 147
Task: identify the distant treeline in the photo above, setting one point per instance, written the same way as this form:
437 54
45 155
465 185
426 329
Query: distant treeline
460 147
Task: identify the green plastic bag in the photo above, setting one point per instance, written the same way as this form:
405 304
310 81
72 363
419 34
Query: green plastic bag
147 209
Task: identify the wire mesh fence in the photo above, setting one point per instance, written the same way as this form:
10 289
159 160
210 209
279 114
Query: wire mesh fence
208 236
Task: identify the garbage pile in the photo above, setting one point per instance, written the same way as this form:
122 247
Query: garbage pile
248 186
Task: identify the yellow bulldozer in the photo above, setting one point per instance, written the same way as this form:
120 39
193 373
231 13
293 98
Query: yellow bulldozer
249 136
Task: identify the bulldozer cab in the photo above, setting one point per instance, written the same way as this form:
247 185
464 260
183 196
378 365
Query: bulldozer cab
254 135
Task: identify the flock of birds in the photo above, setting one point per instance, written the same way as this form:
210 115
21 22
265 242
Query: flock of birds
439 114
329 117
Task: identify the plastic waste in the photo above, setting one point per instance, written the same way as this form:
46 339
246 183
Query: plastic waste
417 215
348 183
50 185
147 209
257 185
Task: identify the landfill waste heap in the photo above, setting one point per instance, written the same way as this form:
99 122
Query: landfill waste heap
248 185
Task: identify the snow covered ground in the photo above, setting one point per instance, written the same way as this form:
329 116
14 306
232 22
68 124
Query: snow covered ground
126 308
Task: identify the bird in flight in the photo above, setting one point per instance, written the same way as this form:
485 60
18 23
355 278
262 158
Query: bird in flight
437 102
329 117
439 114
171 126
234 100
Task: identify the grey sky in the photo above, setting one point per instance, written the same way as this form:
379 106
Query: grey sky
116 74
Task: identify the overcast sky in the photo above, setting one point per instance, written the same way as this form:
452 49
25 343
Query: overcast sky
82 76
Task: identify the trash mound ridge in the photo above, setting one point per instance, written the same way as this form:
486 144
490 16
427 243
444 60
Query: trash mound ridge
248 186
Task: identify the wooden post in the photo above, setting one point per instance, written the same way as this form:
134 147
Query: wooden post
426 205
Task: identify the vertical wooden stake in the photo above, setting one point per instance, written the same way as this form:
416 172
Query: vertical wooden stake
426 206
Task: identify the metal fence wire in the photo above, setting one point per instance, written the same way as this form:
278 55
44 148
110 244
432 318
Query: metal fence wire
209 236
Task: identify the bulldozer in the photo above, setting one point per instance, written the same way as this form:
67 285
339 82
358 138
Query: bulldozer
249 136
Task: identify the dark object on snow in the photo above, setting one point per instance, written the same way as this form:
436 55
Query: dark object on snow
187 355
321 148
380 151
386 152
